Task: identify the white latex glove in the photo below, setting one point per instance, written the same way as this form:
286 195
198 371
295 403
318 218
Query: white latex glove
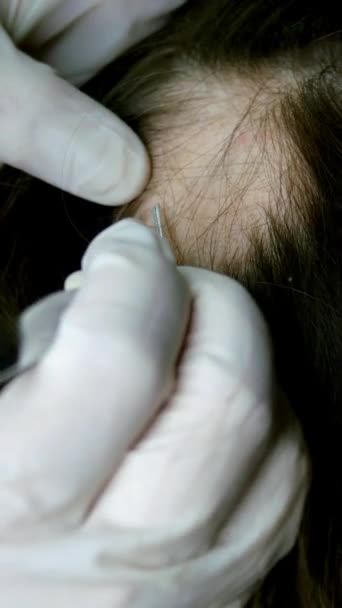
103 504
47 127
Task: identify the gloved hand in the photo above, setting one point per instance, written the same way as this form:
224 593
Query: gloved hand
147 461
50 129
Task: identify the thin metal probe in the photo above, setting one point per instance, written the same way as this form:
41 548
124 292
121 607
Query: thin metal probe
156 217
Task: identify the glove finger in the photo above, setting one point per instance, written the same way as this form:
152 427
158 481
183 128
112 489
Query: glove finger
213 459
81 37
66 425
53 131
199 455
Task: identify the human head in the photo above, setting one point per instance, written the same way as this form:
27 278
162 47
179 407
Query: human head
239 104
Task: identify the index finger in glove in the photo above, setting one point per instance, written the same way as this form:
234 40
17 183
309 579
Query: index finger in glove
55 132
65 426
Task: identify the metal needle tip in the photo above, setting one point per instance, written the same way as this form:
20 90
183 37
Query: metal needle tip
156 217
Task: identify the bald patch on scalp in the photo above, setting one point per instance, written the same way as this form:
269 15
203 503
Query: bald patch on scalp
220 162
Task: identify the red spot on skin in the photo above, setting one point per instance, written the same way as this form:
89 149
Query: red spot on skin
242 139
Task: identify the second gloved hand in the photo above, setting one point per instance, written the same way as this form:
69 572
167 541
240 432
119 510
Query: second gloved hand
147 461
50 129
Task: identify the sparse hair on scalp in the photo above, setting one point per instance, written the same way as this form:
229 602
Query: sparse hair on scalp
293 267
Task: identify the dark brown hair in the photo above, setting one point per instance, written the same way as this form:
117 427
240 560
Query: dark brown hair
295 273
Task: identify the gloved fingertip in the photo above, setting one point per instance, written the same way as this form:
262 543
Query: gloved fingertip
106 163
129 232
132 228
74 281
80 146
